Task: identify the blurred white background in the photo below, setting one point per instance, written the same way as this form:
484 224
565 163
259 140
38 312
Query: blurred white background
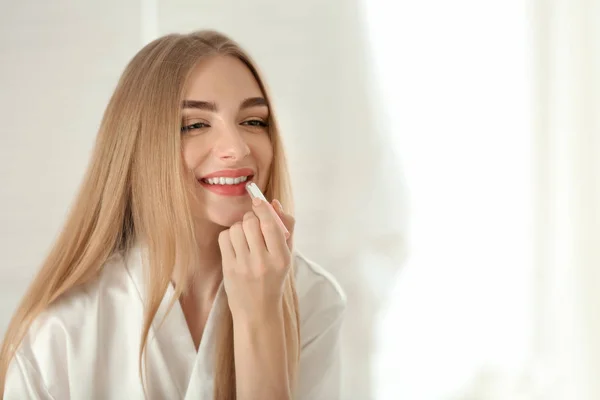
444 157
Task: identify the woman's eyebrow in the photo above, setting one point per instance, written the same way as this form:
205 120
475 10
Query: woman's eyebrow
211 106
200 105
253 102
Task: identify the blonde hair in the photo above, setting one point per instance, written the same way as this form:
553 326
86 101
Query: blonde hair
137 188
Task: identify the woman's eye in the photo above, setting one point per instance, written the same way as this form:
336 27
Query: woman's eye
194 126
256 123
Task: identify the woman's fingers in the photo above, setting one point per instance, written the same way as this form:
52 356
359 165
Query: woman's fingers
281 223
265 229
238 240
288 220
227 251
254 236
274 231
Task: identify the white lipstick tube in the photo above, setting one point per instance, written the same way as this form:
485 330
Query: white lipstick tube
254 191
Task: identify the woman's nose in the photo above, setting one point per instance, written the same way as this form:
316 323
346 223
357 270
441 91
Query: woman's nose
231 144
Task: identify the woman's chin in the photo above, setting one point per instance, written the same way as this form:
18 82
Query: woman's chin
227 219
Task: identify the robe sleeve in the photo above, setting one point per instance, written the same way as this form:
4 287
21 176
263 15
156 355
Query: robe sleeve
23 382
320 364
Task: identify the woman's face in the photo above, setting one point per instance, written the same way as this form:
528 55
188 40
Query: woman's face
225 138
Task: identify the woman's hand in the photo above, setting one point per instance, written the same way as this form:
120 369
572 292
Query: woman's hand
256 256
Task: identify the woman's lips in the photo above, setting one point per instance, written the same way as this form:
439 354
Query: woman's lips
224 183
230 173
231 189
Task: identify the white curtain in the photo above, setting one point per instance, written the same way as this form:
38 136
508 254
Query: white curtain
568 198
496 113
455 82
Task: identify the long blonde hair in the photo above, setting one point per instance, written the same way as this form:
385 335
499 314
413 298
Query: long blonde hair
136 189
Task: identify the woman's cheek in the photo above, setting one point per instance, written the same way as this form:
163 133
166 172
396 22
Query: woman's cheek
191 153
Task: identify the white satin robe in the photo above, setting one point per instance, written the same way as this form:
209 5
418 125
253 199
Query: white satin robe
85 346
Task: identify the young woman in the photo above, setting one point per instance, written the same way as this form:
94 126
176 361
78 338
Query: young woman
168 281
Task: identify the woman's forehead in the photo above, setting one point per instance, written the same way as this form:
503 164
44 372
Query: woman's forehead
222 78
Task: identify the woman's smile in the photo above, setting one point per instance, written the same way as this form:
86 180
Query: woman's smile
229 182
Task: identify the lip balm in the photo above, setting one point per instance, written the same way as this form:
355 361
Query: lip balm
254 191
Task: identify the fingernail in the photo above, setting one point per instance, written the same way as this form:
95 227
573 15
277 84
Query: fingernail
256 201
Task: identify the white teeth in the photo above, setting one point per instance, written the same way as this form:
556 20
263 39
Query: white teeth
226 181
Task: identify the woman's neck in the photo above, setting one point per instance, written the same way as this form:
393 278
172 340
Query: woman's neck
208 274
198 300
